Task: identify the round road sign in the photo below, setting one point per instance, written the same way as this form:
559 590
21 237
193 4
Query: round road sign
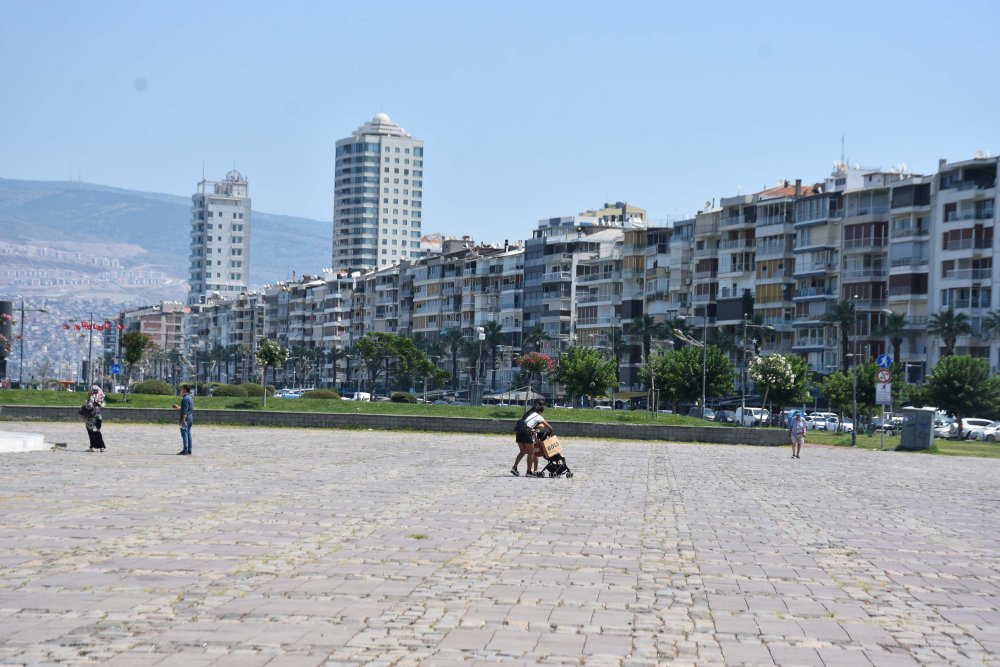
883 375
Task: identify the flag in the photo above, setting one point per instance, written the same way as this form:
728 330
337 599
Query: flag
66 326
120 326
99 327
76 326
107 325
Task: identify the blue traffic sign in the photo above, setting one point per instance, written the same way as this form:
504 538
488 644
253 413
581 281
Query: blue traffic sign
883 361
116 369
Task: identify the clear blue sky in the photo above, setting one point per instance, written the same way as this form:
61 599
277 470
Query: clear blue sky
528 110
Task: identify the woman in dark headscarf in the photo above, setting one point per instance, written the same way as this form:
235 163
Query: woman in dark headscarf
95 401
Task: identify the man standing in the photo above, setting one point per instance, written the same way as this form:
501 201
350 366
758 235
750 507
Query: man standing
187 418
797 432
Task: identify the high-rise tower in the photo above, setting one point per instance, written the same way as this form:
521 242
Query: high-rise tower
378 196
220 238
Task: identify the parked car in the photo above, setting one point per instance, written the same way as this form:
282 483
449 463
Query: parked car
961 430
981 432
989 434
751 416
815 422
725 416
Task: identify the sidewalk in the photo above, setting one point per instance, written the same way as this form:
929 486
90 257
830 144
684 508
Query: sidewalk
312 547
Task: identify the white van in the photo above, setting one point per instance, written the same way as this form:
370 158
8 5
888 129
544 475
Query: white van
751 416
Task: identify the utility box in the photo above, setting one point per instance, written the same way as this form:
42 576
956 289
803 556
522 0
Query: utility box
918 429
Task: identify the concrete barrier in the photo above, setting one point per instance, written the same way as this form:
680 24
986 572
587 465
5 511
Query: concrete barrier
14 441
707 434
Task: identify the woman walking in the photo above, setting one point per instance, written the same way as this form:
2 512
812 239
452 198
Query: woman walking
525 435
95 401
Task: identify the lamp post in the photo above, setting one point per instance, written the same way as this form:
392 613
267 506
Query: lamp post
20 368
743 370
854 374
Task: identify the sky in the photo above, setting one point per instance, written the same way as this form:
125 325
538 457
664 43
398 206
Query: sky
529 110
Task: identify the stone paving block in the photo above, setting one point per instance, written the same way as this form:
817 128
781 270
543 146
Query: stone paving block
318 553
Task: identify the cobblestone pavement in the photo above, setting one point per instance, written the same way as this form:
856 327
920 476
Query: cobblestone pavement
305 547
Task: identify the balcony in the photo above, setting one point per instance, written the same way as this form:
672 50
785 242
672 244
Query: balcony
706 252
812 292
737 244
907 291
968 274
958 216
969 244
774 220
772 249
556 276
600 298
911 262
595 277
907 232
735 220
704 298
815 267
858 211
598 321
864 242
917 321
702 275
863 273
631 274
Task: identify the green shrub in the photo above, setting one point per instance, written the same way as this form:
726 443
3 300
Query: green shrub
229 390
402 397
320 393
153 387
254 389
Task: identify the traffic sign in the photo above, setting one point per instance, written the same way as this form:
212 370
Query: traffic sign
883 361
116 369
883 393
883 375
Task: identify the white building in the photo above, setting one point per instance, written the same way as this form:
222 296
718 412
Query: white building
378 196
220 238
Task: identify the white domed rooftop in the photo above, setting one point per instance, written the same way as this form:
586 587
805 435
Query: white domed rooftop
381 124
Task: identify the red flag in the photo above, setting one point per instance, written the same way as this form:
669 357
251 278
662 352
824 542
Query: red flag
120 326
107 325
66 326
99 327
85 323
76 326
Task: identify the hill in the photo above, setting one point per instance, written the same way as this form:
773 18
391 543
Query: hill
61 238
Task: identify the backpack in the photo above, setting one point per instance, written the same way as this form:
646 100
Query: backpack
522 432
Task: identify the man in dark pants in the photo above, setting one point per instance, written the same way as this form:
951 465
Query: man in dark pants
187 419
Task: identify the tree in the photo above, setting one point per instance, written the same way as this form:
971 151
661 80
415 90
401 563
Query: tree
962 386
948 326
374 349
894 328
991 325
836 390
799 391
678 373
532 363
535 336
452 340
135 345
646 328
841 315
270 354
494 339
771 371
584 371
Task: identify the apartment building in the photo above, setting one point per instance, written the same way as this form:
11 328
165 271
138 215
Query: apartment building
962 249
220 238
162 323
378 196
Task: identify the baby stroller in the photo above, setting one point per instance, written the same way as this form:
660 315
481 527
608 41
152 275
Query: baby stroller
557 466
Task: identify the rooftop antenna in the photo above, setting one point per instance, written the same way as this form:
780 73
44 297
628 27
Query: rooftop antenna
203 170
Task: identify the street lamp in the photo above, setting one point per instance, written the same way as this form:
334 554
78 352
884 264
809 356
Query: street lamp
743 370
20 368
704 355
854 374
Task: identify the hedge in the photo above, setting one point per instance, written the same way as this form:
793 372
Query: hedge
156 387
402 397
321 393
230 390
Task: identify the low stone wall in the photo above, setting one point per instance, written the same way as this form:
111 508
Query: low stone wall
709 434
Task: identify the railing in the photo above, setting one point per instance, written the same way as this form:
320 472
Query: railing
557 275
917 320
593 321
955 216
869 303
734 220
769 249
970 185
865 242
905 290
909 261
597 298
969 274
706 252
730 244
633 273
871 272
815 266
778 273
594 277
910 231
814 291
701 298
774 220
814 342
967 244
705 274
867 210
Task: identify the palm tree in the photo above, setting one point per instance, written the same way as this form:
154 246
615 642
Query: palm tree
647 328
894 328
948 326
452 341
675 325
535 336
991 325
494 339
841 315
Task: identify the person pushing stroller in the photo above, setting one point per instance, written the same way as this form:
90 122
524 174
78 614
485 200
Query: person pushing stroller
530 432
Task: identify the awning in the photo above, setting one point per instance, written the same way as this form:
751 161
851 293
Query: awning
514 396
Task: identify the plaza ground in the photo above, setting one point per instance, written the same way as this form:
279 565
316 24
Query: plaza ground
317 547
